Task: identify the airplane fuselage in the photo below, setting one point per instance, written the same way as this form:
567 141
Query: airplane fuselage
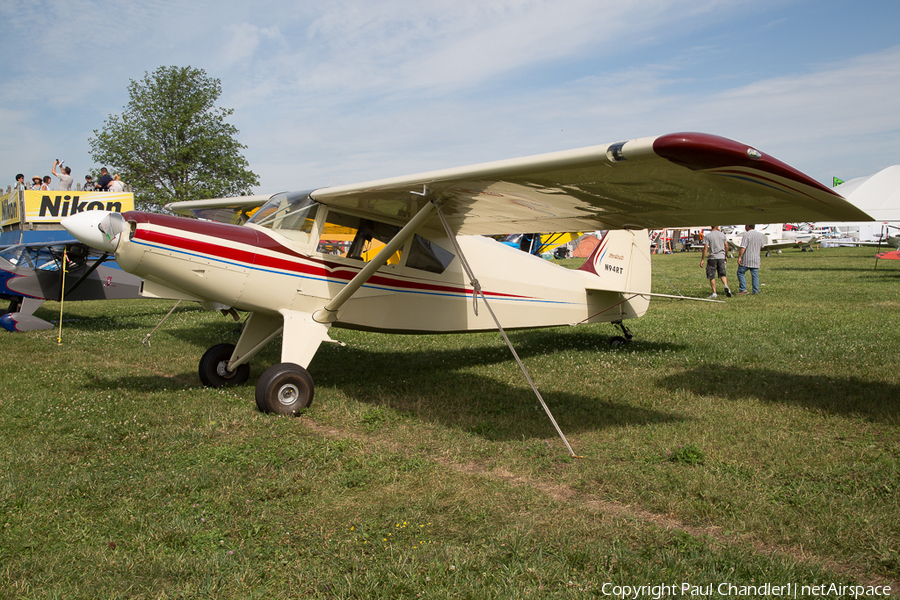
258 270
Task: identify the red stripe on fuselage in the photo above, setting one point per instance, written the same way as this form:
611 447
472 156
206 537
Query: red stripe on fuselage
293 262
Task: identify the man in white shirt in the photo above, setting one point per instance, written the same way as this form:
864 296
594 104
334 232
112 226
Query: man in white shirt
65 176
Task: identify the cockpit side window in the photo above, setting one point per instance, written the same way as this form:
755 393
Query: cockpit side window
361 238
45 260
356 237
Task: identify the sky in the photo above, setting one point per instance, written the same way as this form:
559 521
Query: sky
346 91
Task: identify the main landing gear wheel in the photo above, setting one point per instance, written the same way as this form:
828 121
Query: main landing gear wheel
621 340
214 368
284 389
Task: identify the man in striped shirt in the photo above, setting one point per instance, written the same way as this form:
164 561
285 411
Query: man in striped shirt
748 259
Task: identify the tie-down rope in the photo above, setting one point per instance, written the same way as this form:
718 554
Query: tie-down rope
476 291
146 341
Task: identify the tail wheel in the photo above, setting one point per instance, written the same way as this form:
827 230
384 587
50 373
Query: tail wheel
284 389
214 371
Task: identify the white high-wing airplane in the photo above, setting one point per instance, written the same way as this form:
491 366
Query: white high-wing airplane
281 266
777 239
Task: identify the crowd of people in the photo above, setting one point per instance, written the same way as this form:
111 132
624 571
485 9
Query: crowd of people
105 183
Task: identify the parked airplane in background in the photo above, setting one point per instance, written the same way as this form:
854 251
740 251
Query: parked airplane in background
539 244
777 238
32 273
272 266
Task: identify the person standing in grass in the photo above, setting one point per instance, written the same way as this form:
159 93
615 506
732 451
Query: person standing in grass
748 259
714 244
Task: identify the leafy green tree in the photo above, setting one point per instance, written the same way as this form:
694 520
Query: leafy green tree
172 143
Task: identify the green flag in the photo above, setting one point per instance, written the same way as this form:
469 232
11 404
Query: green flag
836 182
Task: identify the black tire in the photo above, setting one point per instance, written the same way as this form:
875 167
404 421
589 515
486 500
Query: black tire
284 389
212 369
618 341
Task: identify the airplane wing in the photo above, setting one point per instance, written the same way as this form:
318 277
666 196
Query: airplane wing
780 244
891 242
670 181
31 273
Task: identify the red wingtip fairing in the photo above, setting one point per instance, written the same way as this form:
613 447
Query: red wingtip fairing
702 151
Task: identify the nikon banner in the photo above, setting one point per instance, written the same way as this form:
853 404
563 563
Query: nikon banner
9 208
54 206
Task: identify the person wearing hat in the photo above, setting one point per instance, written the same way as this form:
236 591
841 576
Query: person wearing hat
88 184
36 183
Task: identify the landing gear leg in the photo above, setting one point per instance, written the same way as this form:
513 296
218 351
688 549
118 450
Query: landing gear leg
214 371
621 340
14 306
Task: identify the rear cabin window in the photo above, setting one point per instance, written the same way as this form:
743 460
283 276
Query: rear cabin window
428 256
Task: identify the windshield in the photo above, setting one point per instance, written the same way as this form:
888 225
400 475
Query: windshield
292 214
15 255
284 211
43 258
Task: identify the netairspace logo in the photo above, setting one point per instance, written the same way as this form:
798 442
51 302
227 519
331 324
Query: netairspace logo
730 590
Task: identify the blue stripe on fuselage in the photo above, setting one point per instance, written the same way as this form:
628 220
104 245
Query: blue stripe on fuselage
327 280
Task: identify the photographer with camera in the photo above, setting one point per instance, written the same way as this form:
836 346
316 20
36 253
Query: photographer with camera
65 176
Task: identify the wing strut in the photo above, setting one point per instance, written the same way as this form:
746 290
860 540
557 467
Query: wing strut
328 314
86 274
476 290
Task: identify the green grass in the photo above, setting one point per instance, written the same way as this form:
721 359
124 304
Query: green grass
748 442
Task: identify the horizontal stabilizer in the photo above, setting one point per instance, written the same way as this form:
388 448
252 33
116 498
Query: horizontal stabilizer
23 322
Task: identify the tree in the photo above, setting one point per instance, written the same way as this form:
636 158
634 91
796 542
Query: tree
172 143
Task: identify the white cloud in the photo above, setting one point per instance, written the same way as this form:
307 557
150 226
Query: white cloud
242 41
349 90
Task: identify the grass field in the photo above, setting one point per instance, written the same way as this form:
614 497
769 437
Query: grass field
751 442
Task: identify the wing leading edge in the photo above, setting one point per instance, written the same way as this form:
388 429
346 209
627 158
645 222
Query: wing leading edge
676 180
